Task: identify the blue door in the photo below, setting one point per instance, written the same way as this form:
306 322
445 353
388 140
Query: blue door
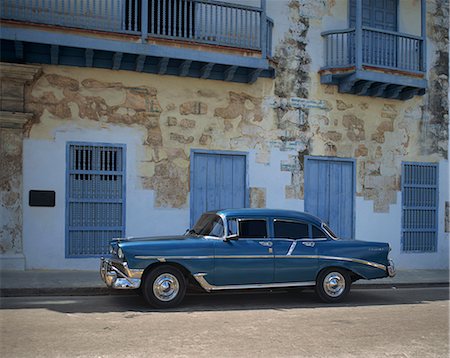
330 192
218 181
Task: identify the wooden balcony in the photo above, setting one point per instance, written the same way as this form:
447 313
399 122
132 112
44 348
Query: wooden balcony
367 61
196 38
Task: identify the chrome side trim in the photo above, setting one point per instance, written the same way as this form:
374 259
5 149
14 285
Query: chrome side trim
336 258
164 259
363 262
291 248
200 277
297 257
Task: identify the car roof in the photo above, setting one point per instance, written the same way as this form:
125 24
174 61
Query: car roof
281 213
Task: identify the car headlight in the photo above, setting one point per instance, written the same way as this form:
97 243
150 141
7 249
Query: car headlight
111 249
120 254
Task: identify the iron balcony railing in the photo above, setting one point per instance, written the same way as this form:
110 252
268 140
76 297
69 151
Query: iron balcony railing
211 22
379 48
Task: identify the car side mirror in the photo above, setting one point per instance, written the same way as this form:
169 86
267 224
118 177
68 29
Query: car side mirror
231 237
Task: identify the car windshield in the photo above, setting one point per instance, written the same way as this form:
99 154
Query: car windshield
208 225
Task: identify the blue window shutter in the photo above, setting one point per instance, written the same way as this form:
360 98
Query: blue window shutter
419 207
95 197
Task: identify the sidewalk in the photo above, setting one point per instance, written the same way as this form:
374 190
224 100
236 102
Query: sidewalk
59 282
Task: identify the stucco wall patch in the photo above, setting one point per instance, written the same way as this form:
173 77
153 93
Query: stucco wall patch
257 197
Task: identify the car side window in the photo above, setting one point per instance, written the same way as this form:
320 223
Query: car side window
291 230
318 233
252 229
232 227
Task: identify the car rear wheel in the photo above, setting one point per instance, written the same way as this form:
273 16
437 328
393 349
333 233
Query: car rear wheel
164 287
333 285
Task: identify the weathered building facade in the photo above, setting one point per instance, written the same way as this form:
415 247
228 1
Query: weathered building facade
132 117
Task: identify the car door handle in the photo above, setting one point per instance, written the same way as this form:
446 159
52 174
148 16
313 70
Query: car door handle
266 243
308 243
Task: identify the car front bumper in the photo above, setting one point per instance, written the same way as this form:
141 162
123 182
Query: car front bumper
117 275
391 269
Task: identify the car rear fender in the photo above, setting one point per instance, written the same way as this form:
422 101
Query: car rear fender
357 271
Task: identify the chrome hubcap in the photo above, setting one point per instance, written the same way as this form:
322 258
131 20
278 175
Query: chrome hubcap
334 284
166 287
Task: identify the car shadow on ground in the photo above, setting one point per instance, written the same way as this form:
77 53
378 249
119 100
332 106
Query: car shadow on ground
229 301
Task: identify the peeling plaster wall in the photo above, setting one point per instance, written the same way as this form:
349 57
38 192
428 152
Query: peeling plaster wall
10 191
161 118
379 133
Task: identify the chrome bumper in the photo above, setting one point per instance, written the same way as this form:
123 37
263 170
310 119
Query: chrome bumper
115 278
391 269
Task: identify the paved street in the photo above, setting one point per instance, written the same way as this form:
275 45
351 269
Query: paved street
403 322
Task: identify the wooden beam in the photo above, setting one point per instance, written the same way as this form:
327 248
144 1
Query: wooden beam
18 48
346 85
162 65
140 62
362 88
89 57
230 72
408 93
393 91
54 54
253 75
377 89
206 70
184 68
117 60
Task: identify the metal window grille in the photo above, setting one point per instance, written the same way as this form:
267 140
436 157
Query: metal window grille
95 211
419 207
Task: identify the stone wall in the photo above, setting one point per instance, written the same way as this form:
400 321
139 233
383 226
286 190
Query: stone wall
279 122
379 133
13 80
174 118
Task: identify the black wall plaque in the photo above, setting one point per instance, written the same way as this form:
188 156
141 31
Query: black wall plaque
42 198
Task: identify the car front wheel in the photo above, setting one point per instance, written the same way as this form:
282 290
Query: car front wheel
333 285
164 287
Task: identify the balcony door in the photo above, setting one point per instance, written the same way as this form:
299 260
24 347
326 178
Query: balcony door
379 14
379 47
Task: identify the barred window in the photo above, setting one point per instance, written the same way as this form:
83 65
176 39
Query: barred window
419 207
95 198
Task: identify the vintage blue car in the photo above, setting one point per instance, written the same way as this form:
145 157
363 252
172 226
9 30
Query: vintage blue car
244 249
